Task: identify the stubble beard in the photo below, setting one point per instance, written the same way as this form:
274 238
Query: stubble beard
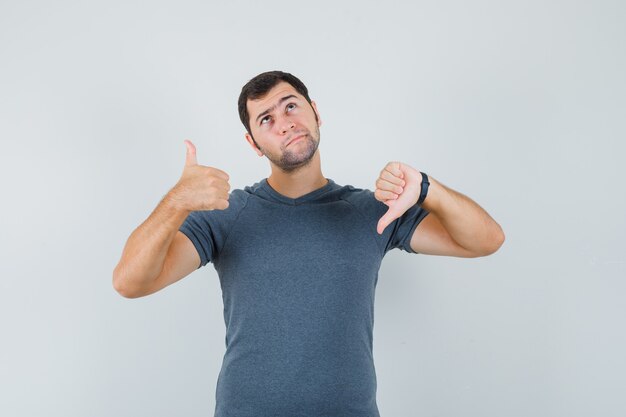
291 159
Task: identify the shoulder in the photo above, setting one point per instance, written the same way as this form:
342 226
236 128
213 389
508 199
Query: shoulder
209 229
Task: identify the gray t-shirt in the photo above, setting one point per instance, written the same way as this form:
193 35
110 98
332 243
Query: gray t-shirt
298 277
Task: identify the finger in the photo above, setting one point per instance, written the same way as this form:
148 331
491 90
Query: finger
224 204
190 158
218 172
221 204
395 168
221 184
387 186
223 195
383 195
391 177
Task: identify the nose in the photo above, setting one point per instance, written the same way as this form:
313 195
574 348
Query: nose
285 124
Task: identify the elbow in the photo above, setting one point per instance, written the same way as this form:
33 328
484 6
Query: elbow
125 292
492 247
496 243
500 239
120 285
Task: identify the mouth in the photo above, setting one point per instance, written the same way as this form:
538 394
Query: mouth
296 139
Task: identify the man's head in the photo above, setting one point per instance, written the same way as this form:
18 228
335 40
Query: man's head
275 108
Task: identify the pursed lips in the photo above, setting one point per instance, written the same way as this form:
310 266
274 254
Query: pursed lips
295 138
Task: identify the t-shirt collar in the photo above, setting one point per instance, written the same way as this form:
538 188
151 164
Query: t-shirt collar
330 185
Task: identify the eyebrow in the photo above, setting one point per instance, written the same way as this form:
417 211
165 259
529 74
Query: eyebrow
273 107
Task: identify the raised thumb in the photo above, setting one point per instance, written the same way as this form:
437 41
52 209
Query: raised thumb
190 158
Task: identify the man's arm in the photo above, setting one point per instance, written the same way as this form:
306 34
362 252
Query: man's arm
456 225
157 254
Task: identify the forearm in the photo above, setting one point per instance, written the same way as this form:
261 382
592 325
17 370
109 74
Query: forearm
467 223
144 254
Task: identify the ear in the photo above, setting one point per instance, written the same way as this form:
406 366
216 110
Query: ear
319 119
251 142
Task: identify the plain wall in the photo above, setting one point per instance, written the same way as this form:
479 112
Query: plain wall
519 105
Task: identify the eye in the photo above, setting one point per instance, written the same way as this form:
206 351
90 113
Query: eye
287 106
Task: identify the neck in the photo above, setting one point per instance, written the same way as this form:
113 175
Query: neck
299 182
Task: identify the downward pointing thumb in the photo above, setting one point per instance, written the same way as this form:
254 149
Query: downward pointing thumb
190 158
384 221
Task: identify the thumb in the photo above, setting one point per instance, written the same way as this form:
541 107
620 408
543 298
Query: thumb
386 220
191 154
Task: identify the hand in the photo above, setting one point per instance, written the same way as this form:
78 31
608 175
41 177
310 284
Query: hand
200 187
398 186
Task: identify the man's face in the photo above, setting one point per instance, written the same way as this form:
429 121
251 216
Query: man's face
284 127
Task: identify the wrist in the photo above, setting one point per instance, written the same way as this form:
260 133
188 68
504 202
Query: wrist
433 196
175 200
424 185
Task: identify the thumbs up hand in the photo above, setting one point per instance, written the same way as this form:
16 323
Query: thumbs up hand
398 186
201 187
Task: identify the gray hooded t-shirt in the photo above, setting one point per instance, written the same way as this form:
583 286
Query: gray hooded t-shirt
298 278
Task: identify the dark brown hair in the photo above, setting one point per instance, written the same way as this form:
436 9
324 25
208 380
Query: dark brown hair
260 85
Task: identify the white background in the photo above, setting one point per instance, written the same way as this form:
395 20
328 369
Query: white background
519 105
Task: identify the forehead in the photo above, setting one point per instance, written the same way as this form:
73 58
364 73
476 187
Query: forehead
272 97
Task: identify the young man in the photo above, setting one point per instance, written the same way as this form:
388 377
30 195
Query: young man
297 257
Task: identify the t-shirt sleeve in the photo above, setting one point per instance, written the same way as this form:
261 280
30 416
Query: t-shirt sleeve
397 235
209 229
